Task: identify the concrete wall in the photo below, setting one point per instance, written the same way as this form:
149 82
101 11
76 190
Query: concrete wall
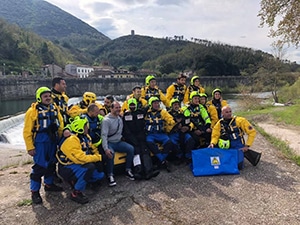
11 89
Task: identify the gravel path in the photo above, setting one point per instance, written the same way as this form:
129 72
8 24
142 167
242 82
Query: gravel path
266 194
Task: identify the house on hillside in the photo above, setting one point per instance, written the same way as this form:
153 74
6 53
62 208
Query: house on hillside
51 70
81 71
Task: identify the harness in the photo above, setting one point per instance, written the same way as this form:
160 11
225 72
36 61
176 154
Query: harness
47 121
149 92
193 88
230 131
195 117
95 129
85 142
61 103
179 92
153 122
218 105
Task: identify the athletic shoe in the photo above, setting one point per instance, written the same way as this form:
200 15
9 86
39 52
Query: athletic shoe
129 175
111 181
36 197
79 197
53 187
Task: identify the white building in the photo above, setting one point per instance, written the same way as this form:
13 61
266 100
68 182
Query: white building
81 71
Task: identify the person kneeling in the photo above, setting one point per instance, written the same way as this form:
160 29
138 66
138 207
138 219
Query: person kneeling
79 163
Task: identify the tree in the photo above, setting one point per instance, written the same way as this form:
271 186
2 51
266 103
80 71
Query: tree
282 17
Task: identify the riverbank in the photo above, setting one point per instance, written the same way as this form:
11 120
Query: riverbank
266 194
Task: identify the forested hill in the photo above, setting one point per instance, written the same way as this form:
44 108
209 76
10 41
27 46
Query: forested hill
52 23
167 56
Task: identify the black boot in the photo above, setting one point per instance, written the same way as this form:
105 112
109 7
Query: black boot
148 167
137 172
252 156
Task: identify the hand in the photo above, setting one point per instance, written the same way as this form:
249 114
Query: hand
211 145
198 132
208 130
31 152
109 153
67 133
245 148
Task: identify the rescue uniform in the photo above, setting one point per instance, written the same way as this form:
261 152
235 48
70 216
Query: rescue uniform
176 90
79 161
218 105
234 130
155 124
200 120
43 126
189 90
184 141
141 103
61 100
148 92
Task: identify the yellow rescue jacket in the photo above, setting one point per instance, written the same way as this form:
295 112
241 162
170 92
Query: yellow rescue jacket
242 124
31 124
74 151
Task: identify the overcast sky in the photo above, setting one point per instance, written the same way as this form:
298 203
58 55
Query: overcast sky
233 22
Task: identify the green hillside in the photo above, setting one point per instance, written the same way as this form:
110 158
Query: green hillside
52 23
23 50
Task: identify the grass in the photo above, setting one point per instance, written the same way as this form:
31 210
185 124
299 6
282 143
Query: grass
25 202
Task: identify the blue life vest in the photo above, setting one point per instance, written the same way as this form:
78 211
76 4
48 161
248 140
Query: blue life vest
154 122
229 130
149 92
178 92
47 120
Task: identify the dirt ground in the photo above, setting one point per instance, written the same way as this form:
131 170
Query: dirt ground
266 194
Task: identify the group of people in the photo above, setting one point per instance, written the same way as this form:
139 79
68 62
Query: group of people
78 143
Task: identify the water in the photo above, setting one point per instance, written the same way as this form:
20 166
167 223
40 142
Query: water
14 106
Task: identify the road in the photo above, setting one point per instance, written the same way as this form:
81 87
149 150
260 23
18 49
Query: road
266 194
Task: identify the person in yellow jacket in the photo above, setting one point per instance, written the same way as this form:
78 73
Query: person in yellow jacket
199 120
81 108
106 107
158 122
79 161
43 125
194 86
60 98
136 93
178 89
229 133
217 101
212 111
151 89
233 128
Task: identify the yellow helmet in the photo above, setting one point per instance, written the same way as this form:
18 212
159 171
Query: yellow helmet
216 90
152 99
132 101
193 79
174 100
193 94
89 97
77 125
203 95
41 91
149 78
224 144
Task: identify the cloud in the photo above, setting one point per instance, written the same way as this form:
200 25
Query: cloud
233 22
